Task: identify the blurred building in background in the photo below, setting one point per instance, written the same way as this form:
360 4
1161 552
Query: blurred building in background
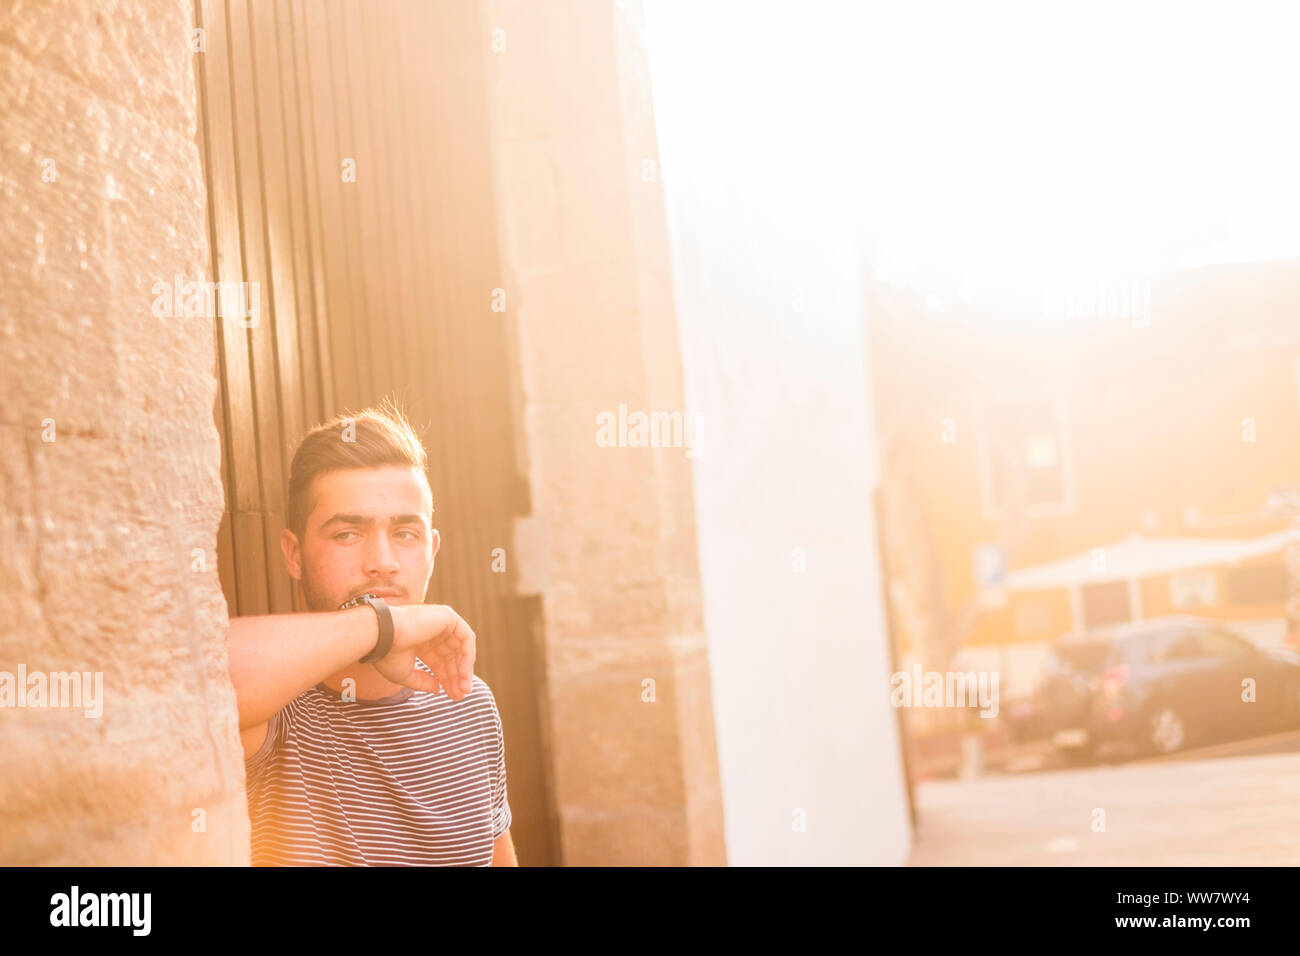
1088 455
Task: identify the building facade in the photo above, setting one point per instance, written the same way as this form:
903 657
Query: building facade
1121 451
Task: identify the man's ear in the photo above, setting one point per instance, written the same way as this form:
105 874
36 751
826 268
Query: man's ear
437 542
292 552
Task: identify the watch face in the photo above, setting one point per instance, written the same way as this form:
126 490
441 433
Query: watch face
358 601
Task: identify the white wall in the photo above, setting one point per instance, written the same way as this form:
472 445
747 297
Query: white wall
799 661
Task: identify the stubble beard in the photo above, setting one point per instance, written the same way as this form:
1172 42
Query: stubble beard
317 600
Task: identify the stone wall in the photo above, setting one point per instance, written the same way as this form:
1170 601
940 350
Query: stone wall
586 253
109 471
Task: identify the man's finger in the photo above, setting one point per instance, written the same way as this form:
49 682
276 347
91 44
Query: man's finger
455 689
466 671
445 666
463 663
419 680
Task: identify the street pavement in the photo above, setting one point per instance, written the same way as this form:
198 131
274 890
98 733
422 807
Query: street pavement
1234 804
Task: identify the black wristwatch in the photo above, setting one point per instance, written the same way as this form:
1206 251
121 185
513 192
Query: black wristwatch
385 643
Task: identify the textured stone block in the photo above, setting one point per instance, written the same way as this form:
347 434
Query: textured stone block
636 782
110 494
132 52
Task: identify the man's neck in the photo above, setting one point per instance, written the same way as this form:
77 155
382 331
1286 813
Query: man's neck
368 683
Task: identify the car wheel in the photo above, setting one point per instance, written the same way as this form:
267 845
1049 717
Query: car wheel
1166 730
1077 755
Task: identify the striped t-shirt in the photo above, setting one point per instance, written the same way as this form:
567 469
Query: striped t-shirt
414 779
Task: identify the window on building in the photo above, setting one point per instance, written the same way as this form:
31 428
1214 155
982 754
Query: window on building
1189 589
1257 584
1105 604
1024 461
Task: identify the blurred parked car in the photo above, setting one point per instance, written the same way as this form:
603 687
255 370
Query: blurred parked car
1024 723
1162 685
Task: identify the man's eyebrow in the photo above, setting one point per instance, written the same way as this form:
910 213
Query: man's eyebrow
365 519
347 519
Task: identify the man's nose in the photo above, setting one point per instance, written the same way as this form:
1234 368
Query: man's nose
380 556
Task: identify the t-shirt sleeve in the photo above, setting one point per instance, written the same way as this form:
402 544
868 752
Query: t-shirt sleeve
256 762
500 801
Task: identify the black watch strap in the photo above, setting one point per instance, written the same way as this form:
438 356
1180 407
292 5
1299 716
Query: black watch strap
385 643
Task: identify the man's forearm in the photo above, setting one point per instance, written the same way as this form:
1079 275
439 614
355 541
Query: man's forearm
275 657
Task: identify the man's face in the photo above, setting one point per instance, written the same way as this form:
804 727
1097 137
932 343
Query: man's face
368 530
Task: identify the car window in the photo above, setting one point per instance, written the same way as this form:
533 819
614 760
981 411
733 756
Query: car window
1220 644
1186 647
1158 647
1086 656
1189 644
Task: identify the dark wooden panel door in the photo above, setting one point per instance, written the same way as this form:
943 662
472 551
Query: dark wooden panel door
345 147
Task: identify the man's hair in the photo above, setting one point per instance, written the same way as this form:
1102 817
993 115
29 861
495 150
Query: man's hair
371 438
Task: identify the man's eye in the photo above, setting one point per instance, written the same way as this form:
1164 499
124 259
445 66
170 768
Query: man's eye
411 535
342 534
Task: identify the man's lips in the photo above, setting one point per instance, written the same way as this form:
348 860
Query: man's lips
382 592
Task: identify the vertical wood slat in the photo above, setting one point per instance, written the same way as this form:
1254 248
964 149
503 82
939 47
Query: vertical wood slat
393 108
430 375
427 375
225 533
299 390
456 106
394 218
406 117
351 146
384 98
275 20
437 229
337 267
278 221
306 196
369 195
223 209
266 379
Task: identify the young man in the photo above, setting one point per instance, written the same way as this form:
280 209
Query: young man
360 751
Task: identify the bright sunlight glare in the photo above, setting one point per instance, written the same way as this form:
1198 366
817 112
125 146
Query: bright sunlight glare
994 144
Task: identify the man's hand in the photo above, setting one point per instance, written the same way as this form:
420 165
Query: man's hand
438 636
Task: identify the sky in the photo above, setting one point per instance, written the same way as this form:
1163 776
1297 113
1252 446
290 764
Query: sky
992 143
